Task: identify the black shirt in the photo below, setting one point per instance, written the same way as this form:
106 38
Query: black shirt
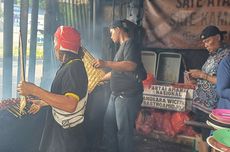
126 81
71 78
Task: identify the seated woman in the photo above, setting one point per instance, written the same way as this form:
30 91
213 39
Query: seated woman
205 96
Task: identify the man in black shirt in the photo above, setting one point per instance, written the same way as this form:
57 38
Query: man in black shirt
127 90
64 129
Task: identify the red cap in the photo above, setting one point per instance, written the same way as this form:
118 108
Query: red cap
68 38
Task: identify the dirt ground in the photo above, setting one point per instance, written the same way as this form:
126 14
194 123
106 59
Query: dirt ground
144 144
149 144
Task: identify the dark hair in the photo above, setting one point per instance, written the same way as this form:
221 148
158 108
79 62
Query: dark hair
71 55
121 24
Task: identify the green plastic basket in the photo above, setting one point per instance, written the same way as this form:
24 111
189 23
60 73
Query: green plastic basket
222 136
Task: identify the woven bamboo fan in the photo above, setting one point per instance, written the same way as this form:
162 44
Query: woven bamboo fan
94 75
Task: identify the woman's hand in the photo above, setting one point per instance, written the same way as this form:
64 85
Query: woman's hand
188 79
98 63
195 73
25 88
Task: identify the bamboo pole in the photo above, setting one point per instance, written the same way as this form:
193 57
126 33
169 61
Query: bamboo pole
24 9
85 25
60 13
22 74
66 13
79 16
74 14
70 13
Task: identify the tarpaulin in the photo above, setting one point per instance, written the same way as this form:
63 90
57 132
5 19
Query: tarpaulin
178 23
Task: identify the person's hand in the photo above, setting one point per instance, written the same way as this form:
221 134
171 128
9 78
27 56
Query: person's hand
102 83
34 108
189 79
26 88
195 73
39 102
98 63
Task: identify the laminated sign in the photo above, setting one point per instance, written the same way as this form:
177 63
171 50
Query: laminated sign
168 98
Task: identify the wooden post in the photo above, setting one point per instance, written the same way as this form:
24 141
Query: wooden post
50 26
74 14
33 40
7 48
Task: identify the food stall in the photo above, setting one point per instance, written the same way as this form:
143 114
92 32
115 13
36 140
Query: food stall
170 45
166 102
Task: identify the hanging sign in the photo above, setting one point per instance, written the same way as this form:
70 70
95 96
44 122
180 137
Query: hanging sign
167 98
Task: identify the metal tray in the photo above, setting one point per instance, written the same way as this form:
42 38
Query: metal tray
168 67
149 59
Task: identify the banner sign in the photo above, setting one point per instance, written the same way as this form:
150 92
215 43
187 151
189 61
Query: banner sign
168 98
178 23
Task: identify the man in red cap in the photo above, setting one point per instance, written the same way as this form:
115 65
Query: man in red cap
67 98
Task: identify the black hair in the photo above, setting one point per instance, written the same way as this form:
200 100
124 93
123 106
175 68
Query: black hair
121 24
70 55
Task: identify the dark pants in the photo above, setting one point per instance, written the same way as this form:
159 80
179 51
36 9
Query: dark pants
201 116
57 139
119 122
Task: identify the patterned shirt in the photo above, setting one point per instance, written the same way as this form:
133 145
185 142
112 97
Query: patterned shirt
205 97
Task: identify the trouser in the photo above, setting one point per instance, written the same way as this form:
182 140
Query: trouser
201 116
119 122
